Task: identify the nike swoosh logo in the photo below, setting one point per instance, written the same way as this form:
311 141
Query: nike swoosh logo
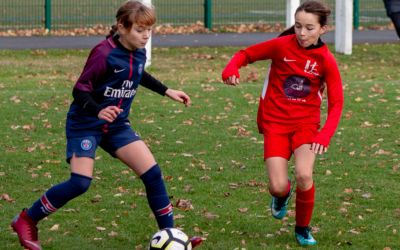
157 239
37 246
118 70
288 60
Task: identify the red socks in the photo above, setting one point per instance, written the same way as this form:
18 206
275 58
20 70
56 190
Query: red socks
304 206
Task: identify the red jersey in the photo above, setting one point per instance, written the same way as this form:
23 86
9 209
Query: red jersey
294 85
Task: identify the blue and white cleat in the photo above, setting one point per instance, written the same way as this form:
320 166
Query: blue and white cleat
304 237
279 206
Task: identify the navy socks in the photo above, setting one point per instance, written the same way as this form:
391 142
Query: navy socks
157 197
57 196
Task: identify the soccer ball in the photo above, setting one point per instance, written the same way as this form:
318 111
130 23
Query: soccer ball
170 239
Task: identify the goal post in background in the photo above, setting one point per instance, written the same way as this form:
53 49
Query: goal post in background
344 26
148 45
291 6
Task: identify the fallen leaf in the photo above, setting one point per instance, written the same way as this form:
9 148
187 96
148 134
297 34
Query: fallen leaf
55 227
184 205
210 216
7 198
243 210
367 195
348 190
354 231
112 234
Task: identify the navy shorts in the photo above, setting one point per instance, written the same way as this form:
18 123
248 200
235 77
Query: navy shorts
86 146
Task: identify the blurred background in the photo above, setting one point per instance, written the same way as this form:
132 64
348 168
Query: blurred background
214 15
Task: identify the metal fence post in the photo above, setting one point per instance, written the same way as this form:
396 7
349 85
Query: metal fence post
208 14
47 14
356 14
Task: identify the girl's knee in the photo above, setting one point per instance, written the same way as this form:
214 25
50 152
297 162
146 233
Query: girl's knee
304 180
80 183
278 189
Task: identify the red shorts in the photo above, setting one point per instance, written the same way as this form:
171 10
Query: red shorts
280 140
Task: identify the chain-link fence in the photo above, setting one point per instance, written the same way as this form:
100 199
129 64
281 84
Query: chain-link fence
61 14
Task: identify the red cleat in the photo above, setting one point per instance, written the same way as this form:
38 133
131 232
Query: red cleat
27 231
196 241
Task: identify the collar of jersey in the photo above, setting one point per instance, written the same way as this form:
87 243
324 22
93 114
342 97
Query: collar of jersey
119 44
319 44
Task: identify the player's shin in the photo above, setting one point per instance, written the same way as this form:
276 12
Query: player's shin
58 195
157 197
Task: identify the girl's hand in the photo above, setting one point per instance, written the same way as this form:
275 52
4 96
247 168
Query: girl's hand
317 148
110 113
178 96
232 80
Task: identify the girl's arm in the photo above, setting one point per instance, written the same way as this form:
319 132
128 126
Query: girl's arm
148 81
178 96
155 85
335 103
85 100
261 51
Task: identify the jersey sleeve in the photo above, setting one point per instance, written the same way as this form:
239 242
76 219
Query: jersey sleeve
152 83
94 70
335 102
261 51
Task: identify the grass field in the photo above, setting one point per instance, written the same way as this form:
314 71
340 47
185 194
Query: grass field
210 153
19 14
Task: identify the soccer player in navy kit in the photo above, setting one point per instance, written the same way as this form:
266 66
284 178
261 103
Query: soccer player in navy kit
98 116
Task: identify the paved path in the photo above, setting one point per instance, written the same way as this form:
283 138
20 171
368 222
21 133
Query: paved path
191 40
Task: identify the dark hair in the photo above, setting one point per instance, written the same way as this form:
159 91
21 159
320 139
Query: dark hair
314 7
134 12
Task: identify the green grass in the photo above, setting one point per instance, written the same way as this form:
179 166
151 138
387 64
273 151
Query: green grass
210 153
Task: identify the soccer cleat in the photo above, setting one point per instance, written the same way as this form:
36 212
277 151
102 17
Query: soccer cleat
196 241
304 237
27 231
279 206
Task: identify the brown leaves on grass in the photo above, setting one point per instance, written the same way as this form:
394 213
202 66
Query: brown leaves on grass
7 198
197 56
209 215
165 29
184 205
253 76
55 227
240 131
15 99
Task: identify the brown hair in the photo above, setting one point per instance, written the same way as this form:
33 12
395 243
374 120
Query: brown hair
134 12
314 7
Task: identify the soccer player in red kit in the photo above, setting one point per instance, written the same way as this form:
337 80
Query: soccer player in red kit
289 110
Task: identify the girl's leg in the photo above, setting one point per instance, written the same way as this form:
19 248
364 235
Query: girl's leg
24 224
58 195
304 166
305 191
139 158
277 170
279 185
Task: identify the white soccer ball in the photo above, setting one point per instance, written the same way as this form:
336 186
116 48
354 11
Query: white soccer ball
170 239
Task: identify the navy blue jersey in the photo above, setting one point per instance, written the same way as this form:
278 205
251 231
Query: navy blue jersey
111 76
